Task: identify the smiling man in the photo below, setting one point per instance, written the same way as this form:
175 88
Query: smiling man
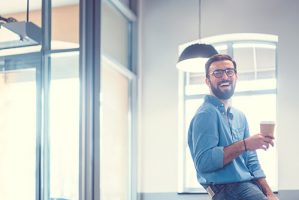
223 152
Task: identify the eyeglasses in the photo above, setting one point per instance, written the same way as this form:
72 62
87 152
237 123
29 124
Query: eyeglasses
218 73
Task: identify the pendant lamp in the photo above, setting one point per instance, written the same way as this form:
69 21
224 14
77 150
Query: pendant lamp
19 34
194 57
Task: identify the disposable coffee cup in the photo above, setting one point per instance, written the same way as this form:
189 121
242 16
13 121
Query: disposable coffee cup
267 128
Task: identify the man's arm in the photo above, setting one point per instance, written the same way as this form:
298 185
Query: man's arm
203 139
251 143
232 151
266 189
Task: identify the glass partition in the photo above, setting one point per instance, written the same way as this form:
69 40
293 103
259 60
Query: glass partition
65 24
116 110
115 35
114 141
64 126
18 133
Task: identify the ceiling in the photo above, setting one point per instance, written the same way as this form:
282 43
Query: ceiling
14 6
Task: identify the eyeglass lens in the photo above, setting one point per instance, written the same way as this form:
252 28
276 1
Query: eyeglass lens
218 73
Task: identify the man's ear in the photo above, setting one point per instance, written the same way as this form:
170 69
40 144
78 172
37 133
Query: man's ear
208 82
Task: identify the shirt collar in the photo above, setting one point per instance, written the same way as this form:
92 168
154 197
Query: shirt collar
216 102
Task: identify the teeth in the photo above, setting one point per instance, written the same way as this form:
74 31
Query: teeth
224 84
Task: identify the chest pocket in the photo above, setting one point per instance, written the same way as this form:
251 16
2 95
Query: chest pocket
238 133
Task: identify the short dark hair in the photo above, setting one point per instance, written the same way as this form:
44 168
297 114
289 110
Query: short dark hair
218 57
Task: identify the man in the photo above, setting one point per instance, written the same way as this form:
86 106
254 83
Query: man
222 150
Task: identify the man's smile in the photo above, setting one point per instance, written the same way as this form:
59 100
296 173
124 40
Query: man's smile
225 84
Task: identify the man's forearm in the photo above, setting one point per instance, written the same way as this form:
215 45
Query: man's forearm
265 187
232 151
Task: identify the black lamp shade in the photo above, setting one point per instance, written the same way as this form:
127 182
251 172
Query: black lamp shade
197 50
193 58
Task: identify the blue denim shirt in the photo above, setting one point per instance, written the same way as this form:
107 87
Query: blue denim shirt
212 129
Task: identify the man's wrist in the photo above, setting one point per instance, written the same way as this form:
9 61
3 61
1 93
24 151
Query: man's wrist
265 187
244 143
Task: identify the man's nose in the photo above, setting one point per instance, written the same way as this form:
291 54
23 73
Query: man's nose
225 76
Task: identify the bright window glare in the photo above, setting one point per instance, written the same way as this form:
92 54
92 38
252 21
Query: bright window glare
65 138
259 108
17 136
256 85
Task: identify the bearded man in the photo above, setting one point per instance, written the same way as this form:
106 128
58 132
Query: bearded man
223 152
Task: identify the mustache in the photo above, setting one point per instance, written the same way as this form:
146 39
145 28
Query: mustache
225 81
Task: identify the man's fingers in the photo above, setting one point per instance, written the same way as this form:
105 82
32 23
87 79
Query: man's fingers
271 137
269 141
272 143
264 147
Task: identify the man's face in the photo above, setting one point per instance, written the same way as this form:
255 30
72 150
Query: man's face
222 83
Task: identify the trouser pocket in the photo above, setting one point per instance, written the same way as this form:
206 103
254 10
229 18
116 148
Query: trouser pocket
216 192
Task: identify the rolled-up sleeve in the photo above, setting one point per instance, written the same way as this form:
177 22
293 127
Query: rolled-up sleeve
206 153
254 166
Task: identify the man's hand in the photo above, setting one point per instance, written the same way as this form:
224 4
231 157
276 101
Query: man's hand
258 141
266 189
272 197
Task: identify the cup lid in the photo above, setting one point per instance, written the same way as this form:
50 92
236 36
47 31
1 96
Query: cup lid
267 122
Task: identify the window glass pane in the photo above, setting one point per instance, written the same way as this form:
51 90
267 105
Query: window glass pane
195 84
126 2
266 106
17 132
244 57
190 173
266 62
65 24
115 135
64 126
221 48
115 35
255 61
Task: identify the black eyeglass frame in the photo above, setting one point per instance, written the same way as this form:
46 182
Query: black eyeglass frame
230 72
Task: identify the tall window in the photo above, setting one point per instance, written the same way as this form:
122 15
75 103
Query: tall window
18 128
117 93
63 125
255 95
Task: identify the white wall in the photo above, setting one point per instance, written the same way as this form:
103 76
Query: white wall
165 24
168 23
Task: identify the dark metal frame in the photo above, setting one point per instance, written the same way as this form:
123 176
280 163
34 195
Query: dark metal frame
90 32
44 83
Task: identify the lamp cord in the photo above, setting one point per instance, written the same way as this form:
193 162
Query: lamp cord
199 19
27 13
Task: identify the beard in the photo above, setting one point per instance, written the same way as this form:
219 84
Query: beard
226 94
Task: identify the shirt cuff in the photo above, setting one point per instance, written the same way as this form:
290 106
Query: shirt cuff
218 156
259 174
